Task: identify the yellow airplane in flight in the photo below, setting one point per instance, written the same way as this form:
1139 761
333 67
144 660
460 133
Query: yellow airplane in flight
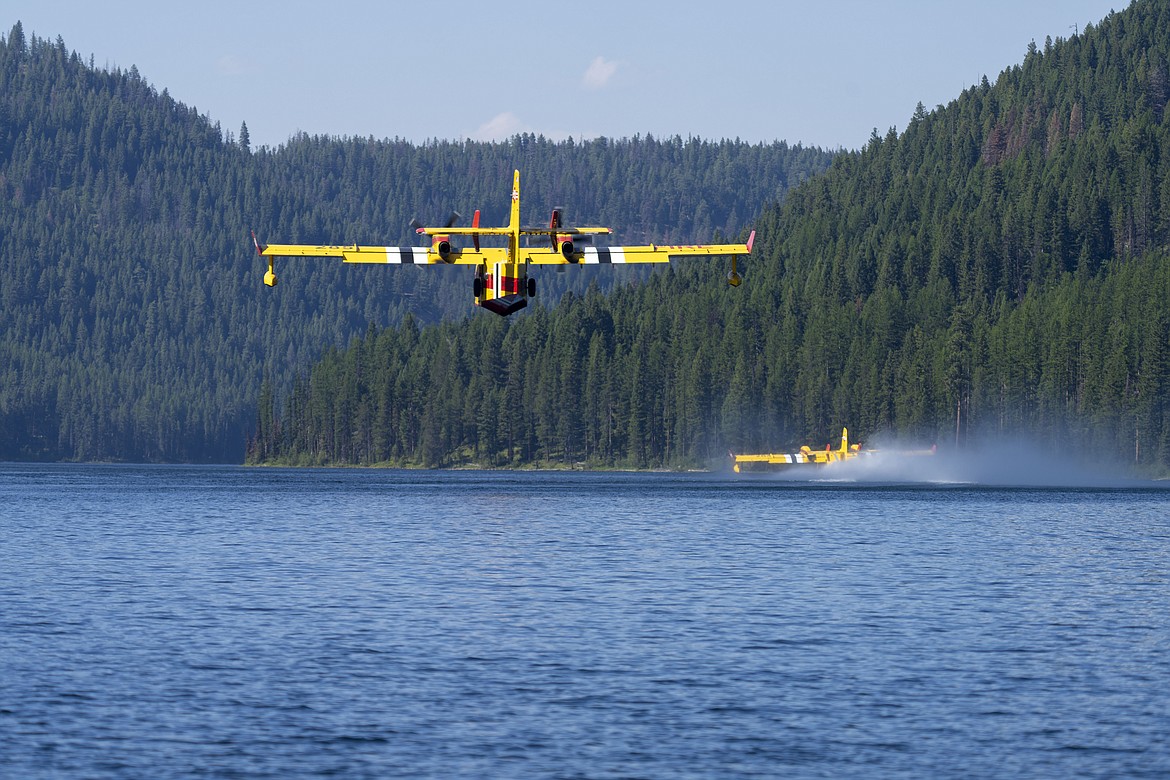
502 283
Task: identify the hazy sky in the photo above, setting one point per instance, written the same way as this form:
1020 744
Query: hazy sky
820 72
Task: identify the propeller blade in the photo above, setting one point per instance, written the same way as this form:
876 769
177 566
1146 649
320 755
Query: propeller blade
415 225
452 218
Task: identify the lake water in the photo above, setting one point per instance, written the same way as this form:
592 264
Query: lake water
160 622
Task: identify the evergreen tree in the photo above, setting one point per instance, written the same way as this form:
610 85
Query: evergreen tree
133 321
998 267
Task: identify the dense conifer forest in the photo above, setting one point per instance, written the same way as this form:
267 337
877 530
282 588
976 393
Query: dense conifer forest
999 267
134 324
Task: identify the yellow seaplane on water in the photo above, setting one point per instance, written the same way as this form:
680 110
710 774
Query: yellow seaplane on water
807 456
502 283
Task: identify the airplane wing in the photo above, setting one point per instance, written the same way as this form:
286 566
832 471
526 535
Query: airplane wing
652 253
433 255
395 255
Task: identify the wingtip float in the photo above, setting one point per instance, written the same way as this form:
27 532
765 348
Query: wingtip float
502 282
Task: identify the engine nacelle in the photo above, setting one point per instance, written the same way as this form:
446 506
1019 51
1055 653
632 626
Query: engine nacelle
567 249
442 246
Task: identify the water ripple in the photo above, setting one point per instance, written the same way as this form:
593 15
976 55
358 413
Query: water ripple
170 622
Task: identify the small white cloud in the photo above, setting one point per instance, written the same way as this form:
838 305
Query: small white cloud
598 74
500 128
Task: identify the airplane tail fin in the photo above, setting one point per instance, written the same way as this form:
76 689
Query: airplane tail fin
514 223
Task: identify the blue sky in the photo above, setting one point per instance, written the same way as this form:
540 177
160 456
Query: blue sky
818 72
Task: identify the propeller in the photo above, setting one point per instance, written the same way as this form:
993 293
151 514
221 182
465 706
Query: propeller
452 218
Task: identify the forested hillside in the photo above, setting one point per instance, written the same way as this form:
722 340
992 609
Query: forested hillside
1000 267
134 323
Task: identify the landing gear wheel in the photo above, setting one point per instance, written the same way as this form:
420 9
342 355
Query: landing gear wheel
531 287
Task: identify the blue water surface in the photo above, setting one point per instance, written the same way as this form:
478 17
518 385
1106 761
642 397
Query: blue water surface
161 622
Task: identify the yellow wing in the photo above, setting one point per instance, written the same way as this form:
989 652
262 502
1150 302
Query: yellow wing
394 255
441 253
652 253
